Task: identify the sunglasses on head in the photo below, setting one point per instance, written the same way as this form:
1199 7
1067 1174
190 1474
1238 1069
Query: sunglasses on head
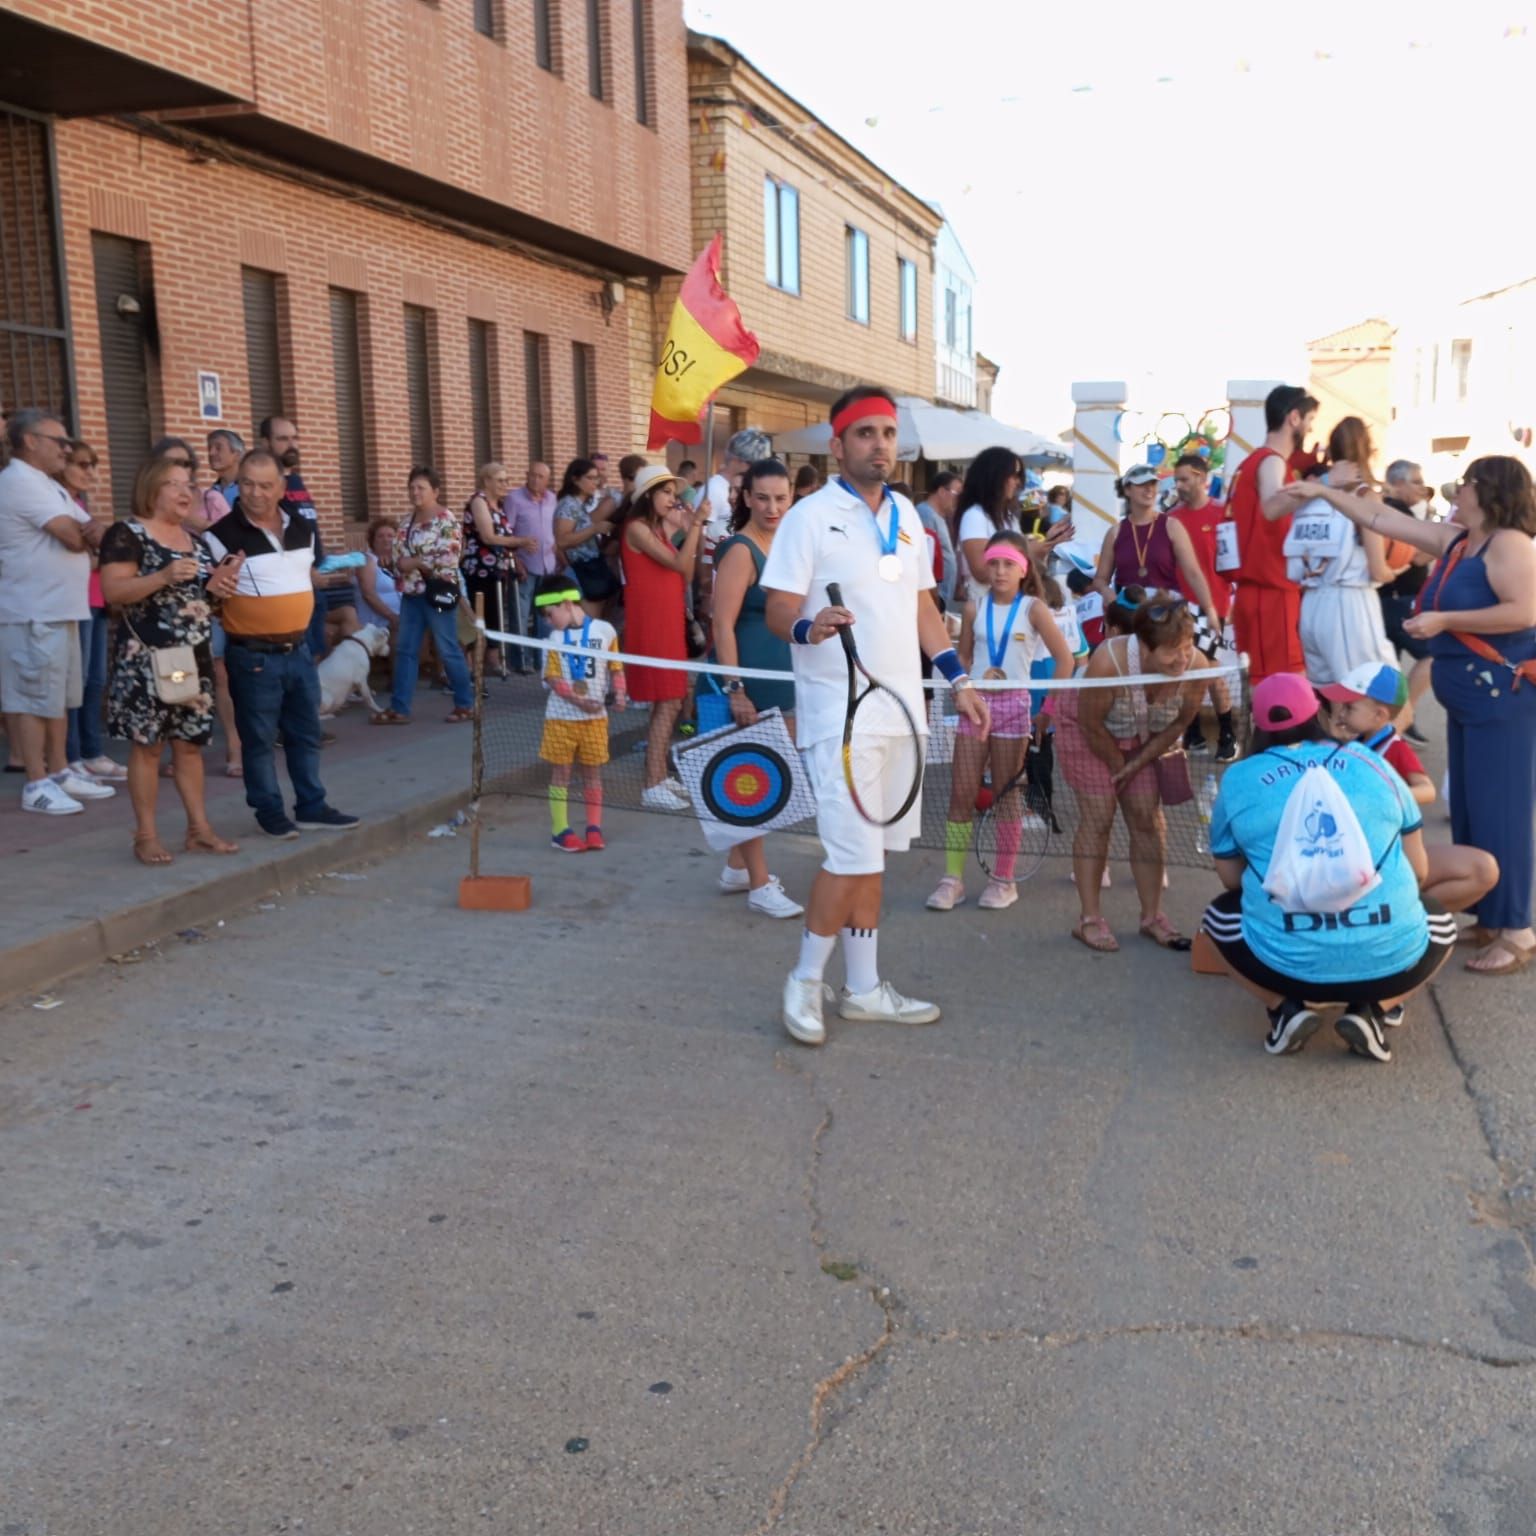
1158 612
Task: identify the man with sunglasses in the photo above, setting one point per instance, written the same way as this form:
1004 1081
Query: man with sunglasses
46 539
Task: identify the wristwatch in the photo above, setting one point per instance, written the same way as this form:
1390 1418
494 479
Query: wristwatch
735 685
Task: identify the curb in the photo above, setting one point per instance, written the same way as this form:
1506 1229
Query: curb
33 966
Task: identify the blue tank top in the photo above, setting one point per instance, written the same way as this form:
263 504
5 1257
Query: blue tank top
1466 588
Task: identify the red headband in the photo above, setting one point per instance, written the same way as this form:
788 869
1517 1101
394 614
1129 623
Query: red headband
870 405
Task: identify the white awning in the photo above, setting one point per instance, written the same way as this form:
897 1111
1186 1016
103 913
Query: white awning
936 432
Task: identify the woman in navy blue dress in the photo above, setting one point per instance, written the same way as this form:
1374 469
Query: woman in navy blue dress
1478 615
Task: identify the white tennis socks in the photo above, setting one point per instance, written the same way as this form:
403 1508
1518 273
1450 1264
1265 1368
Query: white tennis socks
815 950
861 958
861 947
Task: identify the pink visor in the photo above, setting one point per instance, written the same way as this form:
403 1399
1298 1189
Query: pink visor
1007 552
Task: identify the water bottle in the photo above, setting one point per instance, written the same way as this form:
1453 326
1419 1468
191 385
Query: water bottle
1206 800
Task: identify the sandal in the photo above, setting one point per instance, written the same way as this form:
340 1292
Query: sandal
1477 936
205 840
1518 958
1095 933
233 771
389 717
148 849
458 716
1164 934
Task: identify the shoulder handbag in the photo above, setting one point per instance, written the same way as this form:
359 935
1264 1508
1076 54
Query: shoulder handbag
173 668
443 595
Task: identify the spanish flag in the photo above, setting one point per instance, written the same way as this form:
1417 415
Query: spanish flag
706 347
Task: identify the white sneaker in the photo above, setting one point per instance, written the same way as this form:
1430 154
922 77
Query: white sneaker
48 799
998 894
676 785
802 1009
885 1005
772 901
947 895
735 881
659 798
82 787
100 768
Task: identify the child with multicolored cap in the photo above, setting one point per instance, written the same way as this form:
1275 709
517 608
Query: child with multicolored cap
1363 707
576 716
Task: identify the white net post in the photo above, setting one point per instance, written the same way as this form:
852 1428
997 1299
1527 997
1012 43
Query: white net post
1095 454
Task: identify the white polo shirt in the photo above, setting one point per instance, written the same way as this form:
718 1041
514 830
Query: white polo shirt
828 536
41 580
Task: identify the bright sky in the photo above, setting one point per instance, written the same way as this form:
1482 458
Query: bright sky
1178 194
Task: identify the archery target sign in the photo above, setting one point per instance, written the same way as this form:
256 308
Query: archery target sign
745 782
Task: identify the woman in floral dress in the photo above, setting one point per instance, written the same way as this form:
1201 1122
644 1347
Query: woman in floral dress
427 555
159 576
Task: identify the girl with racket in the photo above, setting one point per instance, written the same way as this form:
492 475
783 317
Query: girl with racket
1000 639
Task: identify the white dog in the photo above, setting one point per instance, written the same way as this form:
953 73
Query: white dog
345 671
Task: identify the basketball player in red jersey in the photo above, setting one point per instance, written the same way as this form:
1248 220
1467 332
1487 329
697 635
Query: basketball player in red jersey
1266 611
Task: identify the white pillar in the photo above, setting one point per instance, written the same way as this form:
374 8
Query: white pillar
1095 453
1245 400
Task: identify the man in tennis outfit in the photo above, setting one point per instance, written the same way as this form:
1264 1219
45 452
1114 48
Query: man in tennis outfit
855 533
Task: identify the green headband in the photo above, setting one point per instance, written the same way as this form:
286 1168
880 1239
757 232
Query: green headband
549 599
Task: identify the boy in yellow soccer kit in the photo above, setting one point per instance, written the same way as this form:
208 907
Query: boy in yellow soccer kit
576 716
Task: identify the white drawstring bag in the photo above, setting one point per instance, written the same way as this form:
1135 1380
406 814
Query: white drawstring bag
1322 861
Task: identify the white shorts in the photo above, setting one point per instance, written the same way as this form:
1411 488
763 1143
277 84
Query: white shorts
40 670
855 846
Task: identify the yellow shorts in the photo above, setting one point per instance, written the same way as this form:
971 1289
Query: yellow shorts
575 741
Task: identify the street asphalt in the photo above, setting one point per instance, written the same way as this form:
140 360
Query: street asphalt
364 1216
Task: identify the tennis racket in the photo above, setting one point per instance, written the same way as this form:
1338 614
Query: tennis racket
1014 832
882 749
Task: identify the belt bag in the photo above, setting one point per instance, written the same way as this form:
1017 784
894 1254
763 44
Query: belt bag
443 595
174 670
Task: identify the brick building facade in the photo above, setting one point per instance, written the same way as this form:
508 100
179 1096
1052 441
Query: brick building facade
816 237
414 225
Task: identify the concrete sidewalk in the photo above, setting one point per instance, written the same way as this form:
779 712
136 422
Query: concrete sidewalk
74 894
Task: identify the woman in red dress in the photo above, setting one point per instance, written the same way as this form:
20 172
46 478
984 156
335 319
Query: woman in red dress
656 580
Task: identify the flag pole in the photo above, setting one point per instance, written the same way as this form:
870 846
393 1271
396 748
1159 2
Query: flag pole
709 442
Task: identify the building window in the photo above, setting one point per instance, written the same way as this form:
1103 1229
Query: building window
535 382
968 346
347 370
485 18
858 275
1434 375
263 348
418 384
597 49
951 317
584 390
482 390
1461 363
641 15
781 235
546 46
906 284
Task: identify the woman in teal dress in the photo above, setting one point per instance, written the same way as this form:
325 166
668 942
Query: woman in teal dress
742 639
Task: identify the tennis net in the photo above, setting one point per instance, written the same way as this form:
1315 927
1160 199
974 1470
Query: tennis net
730 782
